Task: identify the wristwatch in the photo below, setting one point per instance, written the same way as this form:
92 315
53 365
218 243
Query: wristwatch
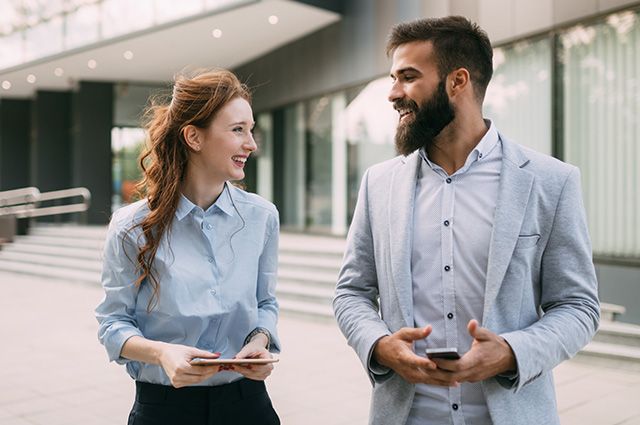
257 331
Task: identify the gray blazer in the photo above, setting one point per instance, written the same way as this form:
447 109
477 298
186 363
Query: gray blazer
541 289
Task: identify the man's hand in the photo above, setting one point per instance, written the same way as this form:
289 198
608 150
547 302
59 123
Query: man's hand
489 356
396 352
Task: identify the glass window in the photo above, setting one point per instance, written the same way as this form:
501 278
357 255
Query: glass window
126 145
519 95
319 164
82 26
601 128
170 10
371 125
263 135
44 39
11 50
292 213
123 16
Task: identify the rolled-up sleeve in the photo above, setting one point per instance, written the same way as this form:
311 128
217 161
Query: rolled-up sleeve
267 279
116 311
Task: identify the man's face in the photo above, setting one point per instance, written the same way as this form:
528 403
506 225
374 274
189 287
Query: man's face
419 95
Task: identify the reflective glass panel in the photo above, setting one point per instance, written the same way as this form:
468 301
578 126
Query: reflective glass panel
518 98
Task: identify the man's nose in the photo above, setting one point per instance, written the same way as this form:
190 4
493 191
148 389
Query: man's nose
396 92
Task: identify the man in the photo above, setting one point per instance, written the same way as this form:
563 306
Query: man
466 240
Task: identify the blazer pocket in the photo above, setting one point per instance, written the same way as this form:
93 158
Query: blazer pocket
527 241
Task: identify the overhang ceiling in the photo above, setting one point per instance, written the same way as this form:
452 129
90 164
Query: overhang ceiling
160 52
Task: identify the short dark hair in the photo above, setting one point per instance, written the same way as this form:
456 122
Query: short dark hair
457 43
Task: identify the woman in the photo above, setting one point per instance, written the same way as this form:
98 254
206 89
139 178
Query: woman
190 271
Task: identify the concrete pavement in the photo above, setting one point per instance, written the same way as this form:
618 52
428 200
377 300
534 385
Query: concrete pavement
54 372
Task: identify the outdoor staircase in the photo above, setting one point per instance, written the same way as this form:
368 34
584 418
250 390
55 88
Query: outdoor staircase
308 270
308 265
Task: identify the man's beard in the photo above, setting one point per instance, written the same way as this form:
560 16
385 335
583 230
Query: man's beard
429 120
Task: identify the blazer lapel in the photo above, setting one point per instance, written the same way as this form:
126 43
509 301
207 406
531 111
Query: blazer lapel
401 202
513 195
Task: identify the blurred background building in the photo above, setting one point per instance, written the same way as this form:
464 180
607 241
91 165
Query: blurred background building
75 76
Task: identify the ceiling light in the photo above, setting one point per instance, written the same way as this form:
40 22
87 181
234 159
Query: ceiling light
31 78
273 19
216 33
91 63
128 55
6 85
58 72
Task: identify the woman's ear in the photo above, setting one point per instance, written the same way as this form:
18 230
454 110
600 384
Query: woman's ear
191 137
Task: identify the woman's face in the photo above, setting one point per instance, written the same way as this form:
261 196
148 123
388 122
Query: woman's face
228 141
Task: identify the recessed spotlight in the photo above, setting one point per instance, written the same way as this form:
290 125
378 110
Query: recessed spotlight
31 78
273 19
91 63
128 55
6 85
58 72
216 33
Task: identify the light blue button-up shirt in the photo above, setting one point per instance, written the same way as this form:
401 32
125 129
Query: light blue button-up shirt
217 276
452 226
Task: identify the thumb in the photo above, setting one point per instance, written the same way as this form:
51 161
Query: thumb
413 334
477 332
204 354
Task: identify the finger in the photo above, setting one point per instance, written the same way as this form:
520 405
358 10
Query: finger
196 352
449 365
414 361
413 334
478 332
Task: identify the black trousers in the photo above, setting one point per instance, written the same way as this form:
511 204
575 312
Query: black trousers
239 403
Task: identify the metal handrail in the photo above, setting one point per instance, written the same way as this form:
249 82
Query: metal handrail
24 203
19 196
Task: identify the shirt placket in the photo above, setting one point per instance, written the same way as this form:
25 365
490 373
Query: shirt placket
207 228
449 296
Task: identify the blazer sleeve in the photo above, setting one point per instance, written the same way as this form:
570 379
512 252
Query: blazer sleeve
569 294
356 300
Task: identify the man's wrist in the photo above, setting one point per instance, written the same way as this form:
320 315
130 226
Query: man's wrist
510 364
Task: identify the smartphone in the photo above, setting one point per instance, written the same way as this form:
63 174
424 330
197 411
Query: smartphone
448 353
198 361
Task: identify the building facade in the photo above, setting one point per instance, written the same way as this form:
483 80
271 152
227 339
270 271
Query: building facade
566 83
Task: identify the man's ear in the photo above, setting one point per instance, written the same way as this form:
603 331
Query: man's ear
459 80
191 136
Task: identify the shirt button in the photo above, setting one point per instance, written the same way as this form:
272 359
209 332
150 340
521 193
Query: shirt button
210 259
448 180
209 227
450 316
454 406
446 222
447 268
213 292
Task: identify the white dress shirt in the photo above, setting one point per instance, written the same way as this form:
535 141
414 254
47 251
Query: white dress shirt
452 225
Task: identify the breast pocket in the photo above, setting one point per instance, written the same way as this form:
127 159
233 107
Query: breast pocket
527 241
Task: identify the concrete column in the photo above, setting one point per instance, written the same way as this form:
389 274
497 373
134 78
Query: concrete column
15 143
92 157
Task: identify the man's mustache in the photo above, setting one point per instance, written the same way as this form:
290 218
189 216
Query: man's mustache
405 104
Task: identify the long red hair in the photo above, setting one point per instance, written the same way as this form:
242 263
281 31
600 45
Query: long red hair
195 101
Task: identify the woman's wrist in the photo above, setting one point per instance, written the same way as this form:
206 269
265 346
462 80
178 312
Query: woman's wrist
261 336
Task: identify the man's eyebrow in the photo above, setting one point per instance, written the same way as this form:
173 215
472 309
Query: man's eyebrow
404 70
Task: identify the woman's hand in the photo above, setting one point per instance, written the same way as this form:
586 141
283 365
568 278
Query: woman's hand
175 360
255 349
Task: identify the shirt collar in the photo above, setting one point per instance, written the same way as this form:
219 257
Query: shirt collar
482 149
223 203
